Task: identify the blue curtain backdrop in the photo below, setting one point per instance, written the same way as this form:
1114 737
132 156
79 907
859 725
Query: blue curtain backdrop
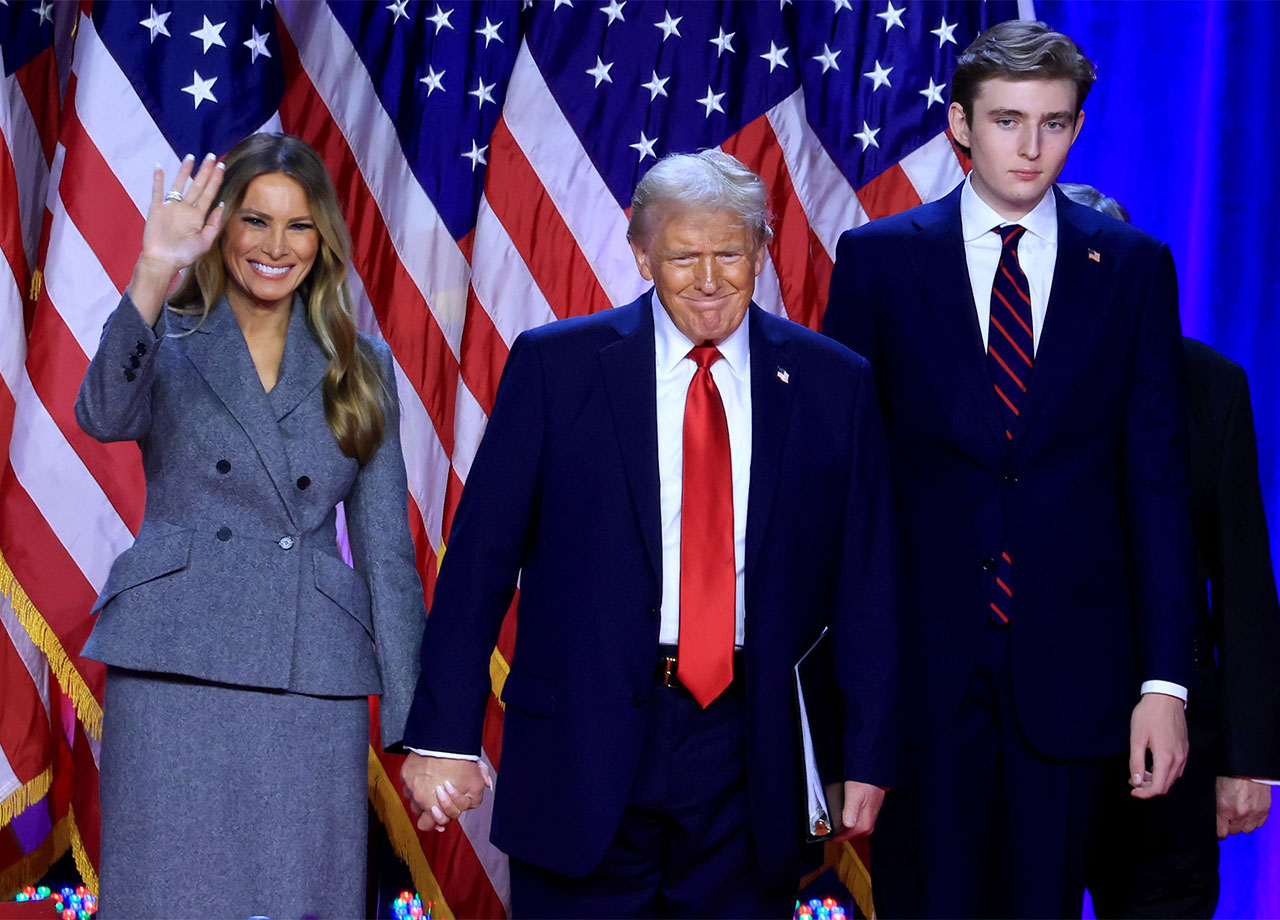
1181 129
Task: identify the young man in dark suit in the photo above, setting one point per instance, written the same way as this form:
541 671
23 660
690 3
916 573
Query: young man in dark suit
690 491
1026 353
1160 858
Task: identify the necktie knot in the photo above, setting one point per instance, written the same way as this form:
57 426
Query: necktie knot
1010 234
705 355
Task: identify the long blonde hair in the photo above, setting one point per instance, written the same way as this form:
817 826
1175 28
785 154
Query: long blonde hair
354 391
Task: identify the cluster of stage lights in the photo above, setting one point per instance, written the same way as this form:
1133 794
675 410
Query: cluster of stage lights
821 909
408 906
69 903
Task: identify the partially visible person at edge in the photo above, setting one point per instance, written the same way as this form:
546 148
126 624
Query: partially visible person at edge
691 491
1027 356
1160 858
240 648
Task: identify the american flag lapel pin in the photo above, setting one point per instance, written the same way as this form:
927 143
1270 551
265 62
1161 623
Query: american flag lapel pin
784 376
1095 256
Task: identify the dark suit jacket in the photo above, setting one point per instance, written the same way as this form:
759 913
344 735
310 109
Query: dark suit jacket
1237 708
236 576
564 493
1089 498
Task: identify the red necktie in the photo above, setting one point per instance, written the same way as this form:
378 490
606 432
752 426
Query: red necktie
708 574
1011 357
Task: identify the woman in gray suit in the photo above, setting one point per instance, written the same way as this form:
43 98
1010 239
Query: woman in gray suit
240 647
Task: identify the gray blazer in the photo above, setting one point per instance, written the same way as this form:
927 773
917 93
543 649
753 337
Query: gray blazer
235 575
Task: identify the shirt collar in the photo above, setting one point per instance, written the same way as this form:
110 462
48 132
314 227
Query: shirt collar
673 346
977 217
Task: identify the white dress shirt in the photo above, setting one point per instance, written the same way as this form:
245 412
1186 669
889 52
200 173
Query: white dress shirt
1037 254
732 375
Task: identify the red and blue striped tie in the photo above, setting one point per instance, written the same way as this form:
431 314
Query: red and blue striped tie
1011 356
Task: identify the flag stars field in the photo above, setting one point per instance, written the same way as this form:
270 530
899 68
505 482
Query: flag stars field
210 34
201 90
892 17
398 10
155 23
433 81
440 19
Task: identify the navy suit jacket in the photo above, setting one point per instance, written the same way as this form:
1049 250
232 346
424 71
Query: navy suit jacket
1089 498
564 494
1237 713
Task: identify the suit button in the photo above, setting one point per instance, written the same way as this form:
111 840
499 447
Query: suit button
224 534
304 481
988 564
637 700
142 348
653 612
286 542
224 466
134 361
1010 479
129 374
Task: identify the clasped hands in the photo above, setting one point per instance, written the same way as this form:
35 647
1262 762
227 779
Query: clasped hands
440 789
1158 726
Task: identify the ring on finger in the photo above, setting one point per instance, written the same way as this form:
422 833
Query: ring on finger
172 196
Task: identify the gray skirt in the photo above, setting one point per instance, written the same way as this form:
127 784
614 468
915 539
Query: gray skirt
221 801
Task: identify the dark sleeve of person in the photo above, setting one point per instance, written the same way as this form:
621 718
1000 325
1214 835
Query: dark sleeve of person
866 625
482 560
1157 483
1246 613
850 317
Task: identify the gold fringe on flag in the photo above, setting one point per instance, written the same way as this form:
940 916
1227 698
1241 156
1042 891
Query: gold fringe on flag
26 795
83 865
32 867
853 874
37 282
404 836
849 868
498 671
87 707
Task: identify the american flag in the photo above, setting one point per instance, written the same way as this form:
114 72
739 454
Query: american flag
485 154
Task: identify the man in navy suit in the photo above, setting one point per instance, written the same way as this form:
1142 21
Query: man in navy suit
1160 858
691 491
1027 355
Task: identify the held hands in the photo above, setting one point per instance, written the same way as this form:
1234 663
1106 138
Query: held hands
180 228
1158 725
439 789
862 803
1242 805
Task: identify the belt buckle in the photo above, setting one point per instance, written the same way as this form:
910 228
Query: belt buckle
669 678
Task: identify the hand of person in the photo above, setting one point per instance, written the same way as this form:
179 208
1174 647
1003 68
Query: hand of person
180 227
440 789
1158 725
1242 805
862 803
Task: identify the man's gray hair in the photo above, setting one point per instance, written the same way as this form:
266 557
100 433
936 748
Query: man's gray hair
708 178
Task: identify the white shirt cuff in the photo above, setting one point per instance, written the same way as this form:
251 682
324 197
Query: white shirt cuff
447 755
1169 688
1266 782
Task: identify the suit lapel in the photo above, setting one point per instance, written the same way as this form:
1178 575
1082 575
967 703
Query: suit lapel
218 350
1073 315
942 272
303 366
630 377
772 394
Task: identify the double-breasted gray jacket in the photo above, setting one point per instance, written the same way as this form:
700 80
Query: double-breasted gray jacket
235 575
